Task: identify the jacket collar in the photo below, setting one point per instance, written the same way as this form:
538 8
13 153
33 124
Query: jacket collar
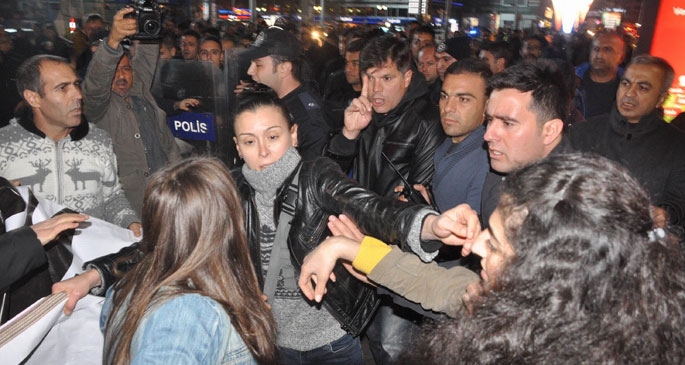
646 124
25 119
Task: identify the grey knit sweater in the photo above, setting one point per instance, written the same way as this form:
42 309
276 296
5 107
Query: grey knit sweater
302 325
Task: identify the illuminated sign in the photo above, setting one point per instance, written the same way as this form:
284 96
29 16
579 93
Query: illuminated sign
670 23
611 20
414 7
234 14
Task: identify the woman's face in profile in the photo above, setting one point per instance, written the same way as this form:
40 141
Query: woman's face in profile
493 247
263 136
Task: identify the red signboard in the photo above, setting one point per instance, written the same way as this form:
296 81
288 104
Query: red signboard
667 43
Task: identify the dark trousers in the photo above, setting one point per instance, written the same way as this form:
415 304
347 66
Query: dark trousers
392 331
345 350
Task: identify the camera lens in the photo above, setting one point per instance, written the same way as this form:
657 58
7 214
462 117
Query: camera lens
151 27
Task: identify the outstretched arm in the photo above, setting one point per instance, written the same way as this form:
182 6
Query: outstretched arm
77 288
456 227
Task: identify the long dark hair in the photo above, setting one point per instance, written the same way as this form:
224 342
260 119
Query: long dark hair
194 242
586 285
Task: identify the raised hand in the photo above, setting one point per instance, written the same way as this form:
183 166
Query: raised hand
358 114
122 27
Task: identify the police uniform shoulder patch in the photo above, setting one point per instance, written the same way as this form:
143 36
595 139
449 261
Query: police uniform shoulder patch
308 101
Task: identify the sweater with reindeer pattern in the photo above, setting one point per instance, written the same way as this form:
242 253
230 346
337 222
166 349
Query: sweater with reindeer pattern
78 172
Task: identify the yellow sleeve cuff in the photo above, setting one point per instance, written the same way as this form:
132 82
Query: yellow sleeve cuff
371 252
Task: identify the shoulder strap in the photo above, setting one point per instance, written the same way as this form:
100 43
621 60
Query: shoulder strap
279 252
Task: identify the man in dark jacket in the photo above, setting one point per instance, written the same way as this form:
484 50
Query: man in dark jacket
276 61
392 117
600 76
635 135
524 120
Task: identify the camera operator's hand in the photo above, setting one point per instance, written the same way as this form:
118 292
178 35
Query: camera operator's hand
122 27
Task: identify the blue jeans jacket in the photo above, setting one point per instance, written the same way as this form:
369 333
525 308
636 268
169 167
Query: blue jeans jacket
188 329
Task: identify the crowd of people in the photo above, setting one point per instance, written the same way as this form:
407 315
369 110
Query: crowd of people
506 199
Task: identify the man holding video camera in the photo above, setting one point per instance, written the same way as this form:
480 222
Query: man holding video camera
117 97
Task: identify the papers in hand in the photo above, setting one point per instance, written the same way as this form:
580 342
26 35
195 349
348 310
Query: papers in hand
23 333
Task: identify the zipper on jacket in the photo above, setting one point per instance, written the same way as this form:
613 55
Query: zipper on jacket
58 170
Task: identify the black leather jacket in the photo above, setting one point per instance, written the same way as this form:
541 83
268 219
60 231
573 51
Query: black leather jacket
323 190
409 136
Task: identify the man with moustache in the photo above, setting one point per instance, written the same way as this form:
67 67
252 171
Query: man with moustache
51 149
62 158
634 134
392 117
116 96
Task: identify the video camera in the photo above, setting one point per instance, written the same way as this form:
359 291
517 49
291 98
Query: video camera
149 17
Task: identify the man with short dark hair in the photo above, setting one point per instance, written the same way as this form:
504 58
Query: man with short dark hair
393 118
54 151
211 49
524 122
168 47
533 47
190 45
277 62
344 85
461 162
634 134
422 37
497 55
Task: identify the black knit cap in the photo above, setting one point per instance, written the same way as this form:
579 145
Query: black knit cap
457 47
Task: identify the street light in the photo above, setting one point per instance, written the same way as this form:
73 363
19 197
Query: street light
570 13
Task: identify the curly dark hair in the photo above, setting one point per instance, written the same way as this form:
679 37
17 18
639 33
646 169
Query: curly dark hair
586 284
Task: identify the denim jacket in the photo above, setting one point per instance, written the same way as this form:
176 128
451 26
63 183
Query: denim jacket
188 329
